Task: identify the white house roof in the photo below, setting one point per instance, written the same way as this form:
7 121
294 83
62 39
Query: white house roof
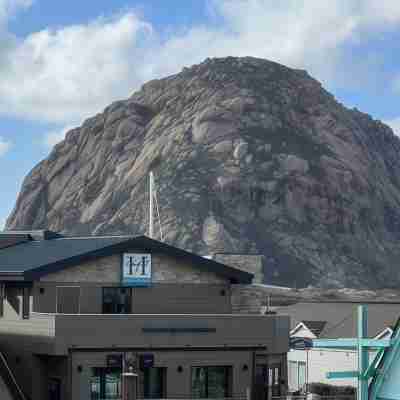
339 320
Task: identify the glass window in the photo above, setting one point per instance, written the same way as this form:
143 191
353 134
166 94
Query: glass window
116 300
105 384
293 376
154 383
302 374
211 382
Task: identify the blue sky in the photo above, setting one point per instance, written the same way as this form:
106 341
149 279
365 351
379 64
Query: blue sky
61 62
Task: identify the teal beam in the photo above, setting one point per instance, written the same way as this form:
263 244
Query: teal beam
363 356
335 343
374 344
374 365
342 374
350 343
386 382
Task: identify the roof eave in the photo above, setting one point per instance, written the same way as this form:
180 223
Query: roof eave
7 276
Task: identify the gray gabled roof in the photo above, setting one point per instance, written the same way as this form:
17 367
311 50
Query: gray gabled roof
316 327
341 318
28 260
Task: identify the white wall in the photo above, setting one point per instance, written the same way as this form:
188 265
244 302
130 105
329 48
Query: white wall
320 361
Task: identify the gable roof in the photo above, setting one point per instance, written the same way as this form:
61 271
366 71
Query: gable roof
316 327
341 318
29 260
300 327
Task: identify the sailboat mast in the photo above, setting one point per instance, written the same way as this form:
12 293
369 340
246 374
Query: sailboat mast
151 206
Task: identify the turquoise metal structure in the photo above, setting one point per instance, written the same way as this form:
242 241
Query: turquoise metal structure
385 383
380 379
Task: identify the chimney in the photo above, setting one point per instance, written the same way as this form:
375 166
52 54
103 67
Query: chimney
252 263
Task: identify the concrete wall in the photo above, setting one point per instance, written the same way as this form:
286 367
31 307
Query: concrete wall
20 338
4 392
46 368
99 331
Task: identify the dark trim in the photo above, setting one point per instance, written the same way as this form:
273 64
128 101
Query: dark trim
11 277
39 234
166 348
25 302
141 243
2 298
179 330
18 284
11 239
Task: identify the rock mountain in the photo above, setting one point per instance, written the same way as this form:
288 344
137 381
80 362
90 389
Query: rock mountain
249 156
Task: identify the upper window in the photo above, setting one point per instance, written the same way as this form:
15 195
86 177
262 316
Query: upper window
116 300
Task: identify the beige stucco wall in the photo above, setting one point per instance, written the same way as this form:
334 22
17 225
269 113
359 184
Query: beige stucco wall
165 269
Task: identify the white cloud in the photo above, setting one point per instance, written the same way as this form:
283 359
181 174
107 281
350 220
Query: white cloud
8 8
5 146
72 72
394 124
52 138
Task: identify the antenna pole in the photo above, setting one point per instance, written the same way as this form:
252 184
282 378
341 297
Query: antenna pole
151 217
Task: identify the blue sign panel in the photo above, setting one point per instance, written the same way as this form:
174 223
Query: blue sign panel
136 269
146 360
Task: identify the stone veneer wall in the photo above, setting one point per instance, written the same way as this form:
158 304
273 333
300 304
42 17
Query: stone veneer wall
165 269
247 299
252 263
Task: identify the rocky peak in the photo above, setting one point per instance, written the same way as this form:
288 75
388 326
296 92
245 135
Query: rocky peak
249 156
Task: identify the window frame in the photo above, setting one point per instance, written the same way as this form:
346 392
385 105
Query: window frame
104 288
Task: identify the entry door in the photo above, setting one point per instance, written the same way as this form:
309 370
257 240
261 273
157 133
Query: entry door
267 381
261 382
54 388
68 299
274 379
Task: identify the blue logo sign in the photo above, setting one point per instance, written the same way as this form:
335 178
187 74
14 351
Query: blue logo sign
136 269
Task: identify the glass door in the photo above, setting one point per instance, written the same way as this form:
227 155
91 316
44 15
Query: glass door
106 384
211 382
274 379
154 383
261 382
